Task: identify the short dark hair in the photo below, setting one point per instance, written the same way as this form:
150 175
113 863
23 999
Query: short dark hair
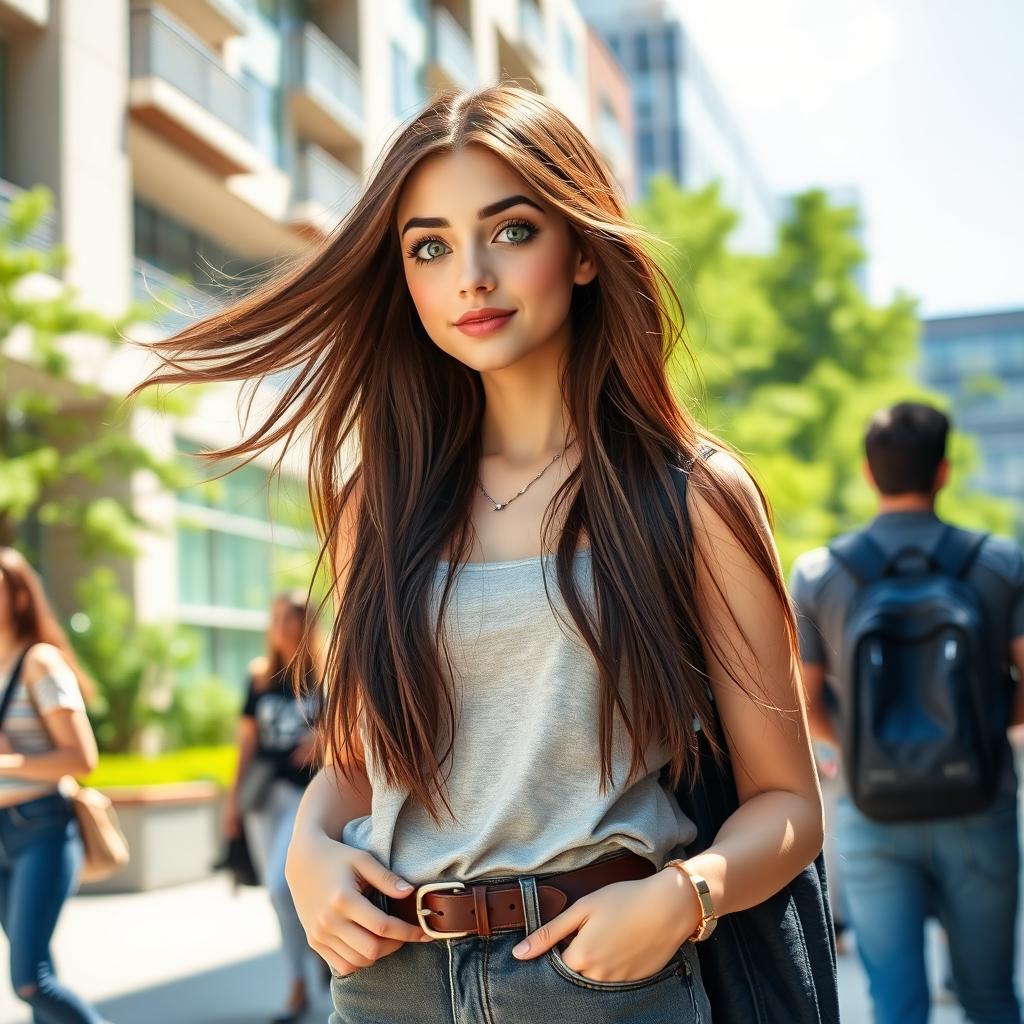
904 445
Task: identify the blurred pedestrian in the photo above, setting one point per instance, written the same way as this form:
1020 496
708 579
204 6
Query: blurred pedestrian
44 736
918 628
276 760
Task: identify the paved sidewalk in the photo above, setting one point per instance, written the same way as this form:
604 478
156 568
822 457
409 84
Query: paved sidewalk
199 954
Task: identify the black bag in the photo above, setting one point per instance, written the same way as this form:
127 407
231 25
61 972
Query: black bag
774 963
236 858
926 699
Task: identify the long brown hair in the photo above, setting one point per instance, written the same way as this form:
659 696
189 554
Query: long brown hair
366 370
32 618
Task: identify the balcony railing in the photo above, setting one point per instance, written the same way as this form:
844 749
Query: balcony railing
160 48
43 235
451 49
321 179
321 69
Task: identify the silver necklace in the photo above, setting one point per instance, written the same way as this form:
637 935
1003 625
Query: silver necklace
499 505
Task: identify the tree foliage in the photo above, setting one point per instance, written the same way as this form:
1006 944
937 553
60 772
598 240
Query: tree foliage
790 359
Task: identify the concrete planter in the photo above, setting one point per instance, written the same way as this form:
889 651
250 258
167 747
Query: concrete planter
173 833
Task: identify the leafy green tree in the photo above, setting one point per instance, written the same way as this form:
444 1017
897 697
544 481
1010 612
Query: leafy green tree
793 359
60 436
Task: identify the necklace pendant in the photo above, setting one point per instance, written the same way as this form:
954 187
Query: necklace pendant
499 507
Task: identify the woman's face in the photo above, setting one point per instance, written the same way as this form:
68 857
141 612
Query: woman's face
285 628
476 238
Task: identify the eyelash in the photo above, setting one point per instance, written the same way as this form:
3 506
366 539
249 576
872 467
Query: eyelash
514 222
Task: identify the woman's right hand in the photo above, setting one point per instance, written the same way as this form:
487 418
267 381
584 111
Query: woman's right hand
327 880
232 819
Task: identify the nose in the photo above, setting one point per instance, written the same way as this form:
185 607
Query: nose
475 276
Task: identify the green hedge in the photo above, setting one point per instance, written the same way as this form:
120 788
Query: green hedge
214 764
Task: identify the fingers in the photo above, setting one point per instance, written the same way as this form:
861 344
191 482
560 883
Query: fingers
354 907
381 878
547 935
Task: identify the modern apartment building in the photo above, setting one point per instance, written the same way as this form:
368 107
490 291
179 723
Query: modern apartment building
187 139
682 127
978 361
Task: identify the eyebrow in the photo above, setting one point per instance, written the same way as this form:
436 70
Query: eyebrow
488 211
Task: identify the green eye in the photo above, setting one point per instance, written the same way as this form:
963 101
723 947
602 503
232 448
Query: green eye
431 249
516 234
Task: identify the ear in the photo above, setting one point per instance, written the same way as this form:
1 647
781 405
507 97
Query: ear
941 476
586 269
865 467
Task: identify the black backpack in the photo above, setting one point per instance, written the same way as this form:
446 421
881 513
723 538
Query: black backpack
925 695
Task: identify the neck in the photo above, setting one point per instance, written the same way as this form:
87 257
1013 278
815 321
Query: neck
906 503
525 417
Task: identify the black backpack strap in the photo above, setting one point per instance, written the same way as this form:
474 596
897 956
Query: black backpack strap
956 550
12 684
861 556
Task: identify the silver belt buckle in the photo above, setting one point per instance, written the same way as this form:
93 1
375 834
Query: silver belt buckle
423 912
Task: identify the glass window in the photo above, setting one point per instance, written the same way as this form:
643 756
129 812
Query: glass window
406 94
643 52
195 579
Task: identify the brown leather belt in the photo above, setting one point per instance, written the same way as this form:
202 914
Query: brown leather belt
450 909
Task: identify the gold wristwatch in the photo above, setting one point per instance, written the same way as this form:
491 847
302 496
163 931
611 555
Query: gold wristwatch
708 920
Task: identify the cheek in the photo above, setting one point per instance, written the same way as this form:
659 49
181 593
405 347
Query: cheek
426 296
545 278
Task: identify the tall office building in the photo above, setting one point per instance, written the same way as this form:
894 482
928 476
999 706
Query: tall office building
682 127
978 361
186 138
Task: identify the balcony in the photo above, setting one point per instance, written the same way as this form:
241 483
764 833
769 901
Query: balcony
325 190
325 92
180 304
43 235
180 90
214 21
451 64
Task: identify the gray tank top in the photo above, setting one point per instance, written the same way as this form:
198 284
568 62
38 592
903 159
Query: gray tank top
524 776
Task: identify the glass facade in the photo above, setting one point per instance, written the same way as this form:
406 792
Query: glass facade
240 540
978 361
406 90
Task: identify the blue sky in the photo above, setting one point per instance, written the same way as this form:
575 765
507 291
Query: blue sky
919 104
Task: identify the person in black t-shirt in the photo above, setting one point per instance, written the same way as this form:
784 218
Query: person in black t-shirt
276 762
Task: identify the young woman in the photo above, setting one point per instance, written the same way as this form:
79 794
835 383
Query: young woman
276 739
44 736
524 605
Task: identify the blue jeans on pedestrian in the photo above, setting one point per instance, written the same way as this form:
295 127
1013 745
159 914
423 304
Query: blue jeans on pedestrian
40 857
476 980
962 870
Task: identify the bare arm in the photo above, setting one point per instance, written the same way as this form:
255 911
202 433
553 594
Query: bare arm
70 733
818 719
778 828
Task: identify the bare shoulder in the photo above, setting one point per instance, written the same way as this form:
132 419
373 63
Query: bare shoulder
43 660
729 479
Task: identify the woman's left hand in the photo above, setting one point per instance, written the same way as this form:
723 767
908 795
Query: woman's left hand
623 932
5 745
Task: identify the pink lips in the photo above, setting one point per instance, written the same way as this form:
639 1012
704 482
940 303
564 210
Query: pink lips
478 322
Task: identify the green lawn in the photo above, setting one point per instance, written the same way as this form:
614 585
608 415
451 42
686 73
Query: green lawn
214 764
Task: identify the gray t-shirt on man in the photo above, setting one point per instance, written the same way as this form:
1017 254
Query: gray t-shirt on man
822 588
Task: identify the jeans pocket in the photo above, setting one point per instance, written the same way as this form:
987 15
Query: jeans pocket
678 965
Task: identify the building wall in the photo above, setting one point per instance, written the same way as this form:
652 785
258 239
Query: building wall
683 128
611 112
978 361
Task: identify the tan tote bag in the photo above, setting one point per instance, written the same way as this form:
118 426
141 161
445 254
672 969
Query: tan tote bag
106 848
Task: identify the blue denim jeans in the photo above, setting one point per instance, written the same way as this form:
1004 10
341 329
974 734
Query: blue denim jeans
477 981
40 857
964 871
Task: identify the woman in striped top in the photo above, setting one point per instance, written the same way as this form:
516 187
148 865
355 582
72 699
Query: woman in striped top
44 735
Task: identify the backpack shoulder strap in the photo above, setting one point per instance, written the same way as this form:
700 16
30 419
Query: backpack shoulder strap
956 550
861 556
12 684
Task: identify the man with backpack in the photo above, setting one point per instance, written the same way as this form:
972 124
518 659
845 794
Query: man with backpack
916 628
